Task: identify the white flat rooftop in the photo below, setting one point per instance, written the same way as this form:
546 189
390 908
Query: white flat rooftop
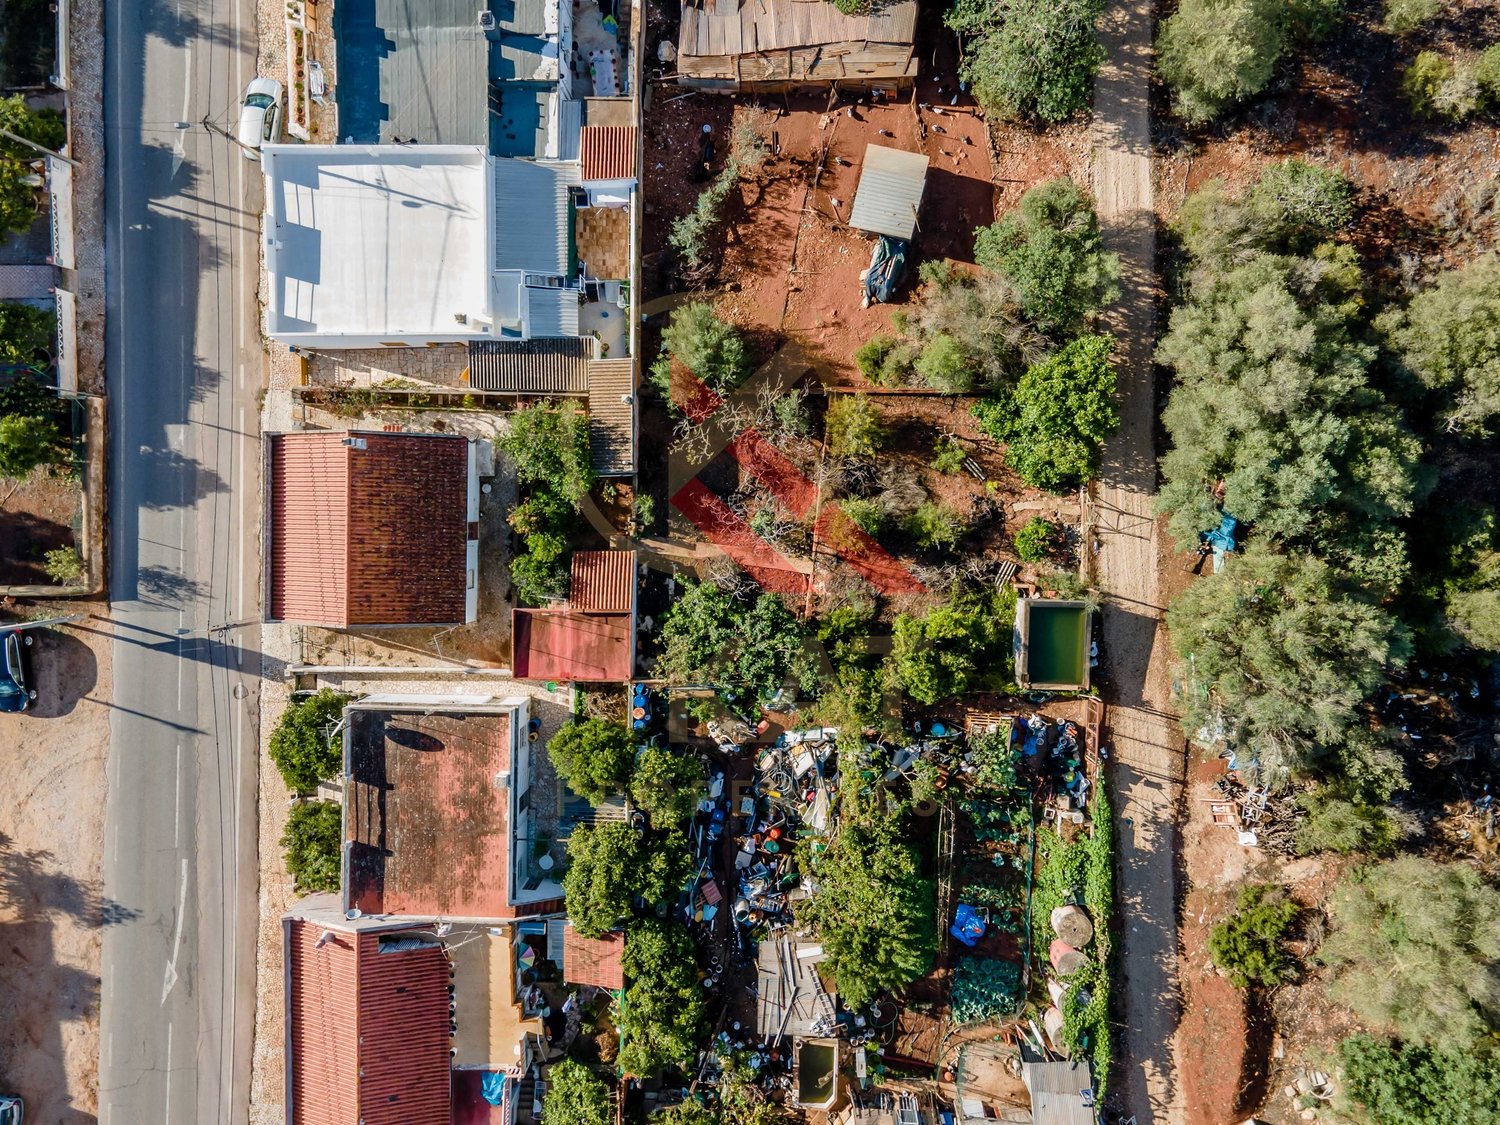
377 242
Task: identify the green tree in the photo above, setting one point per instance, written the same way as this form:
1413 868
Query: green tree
935 526
713 349
1060 413
1274 419
1341 820
1029 58
1034 542
1402 17
966 330
1280 654
593 757
549 443
954 650
663 1013
313 841
612 865
1293 205
1408 1084
64 565
1448 336
1215 53
1248 945
18 200
27 442
25 331
302 745
948 456
1050 250
575 1096
1416 949
873 910
854 427
709 637
666 786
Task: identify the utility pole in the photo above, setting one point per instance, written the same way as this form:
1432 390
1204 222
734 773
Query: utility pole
215 127
20 140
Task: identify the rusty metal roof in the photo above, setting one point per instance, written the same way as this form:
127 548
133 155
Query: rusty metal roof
603 581
607 152
596 961
369 1028
572 646
555 365
367 528
426 813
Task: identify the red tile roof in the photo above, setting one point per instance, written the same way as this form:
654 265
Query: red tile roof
426 814
596 961
368 536
603 581
567 645
369 1029
608 152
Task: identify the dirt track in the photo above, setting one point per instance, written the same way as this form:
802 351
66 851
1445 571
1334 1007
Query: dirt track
1147 745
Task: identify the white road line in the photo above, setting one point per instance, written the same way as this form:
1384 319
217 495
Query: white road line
167 1094
169 978
177 804
114 851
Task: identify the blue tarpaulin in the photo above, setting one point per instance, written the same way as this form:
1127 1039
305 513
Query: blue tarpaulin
492 1087
968 926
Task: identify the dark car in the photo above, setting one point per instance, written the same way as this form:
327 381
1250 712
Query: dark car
14 694
887 268
11 1109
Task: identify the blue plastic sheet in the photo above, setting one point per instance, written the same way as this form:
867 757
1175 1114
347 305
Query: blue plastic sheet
492 1087
968 926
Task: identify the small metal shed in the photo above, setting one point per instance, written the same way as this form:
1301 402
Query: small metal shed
889 192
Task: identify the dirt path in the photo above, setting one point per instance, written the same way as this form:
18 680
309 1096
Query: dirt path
1147 746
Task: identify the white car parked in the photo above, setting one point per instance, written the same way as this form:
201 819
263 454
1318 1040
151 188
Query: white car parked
260 116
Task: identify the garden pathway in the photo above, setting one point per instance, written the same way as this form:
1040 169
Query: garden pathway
1147 747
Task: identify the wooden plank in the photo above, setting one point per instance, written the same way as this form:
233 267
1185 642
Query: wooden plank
687 37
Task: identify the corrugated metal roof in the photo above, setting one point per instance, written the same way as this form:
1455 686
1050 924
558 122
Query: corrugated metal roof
570 645
612 417
608 152
533 216
426 814
603 581
368 536
890 191
1061 1092
433 63
551 312
595 961
525 17
557 366
369 1029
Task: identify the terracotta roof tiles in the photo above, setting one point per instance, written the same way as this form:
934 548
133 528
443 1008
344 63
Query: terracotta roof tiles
607 152
596 961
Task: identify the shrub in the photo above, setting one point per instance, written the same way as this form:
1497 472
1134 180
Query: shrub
662 1018
25 331
1029 58
758 647
666 786
867 514
611 865
884 361
690 233
948 456
1407 1084
710 347
1050 249
313 840
1340 821
1487 75
27 443
1416 948
956 649
1296 205
550 446
1214 53
1402 17
1424 80
935 526
63 565
643 507
302 746
1034 542
854 428
967 330
1247 946
943 363
575 1096
593 757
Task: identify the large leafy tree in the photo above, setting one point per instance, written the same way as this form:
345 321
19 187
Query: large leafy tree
26 442
955 649
1281 654
967 330
1059 415
1408 1084
712 349
662 1021
1448 336
593 757
1050 250
18 199
1416 949
575 1096
873 911
25 331
711 637
314 845
301 745
1274 419
1291 207
1029 58
1215 53
549 443
612 865
667 786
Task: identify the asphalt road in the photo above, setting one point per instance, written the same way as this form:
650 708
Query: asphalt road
184 371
